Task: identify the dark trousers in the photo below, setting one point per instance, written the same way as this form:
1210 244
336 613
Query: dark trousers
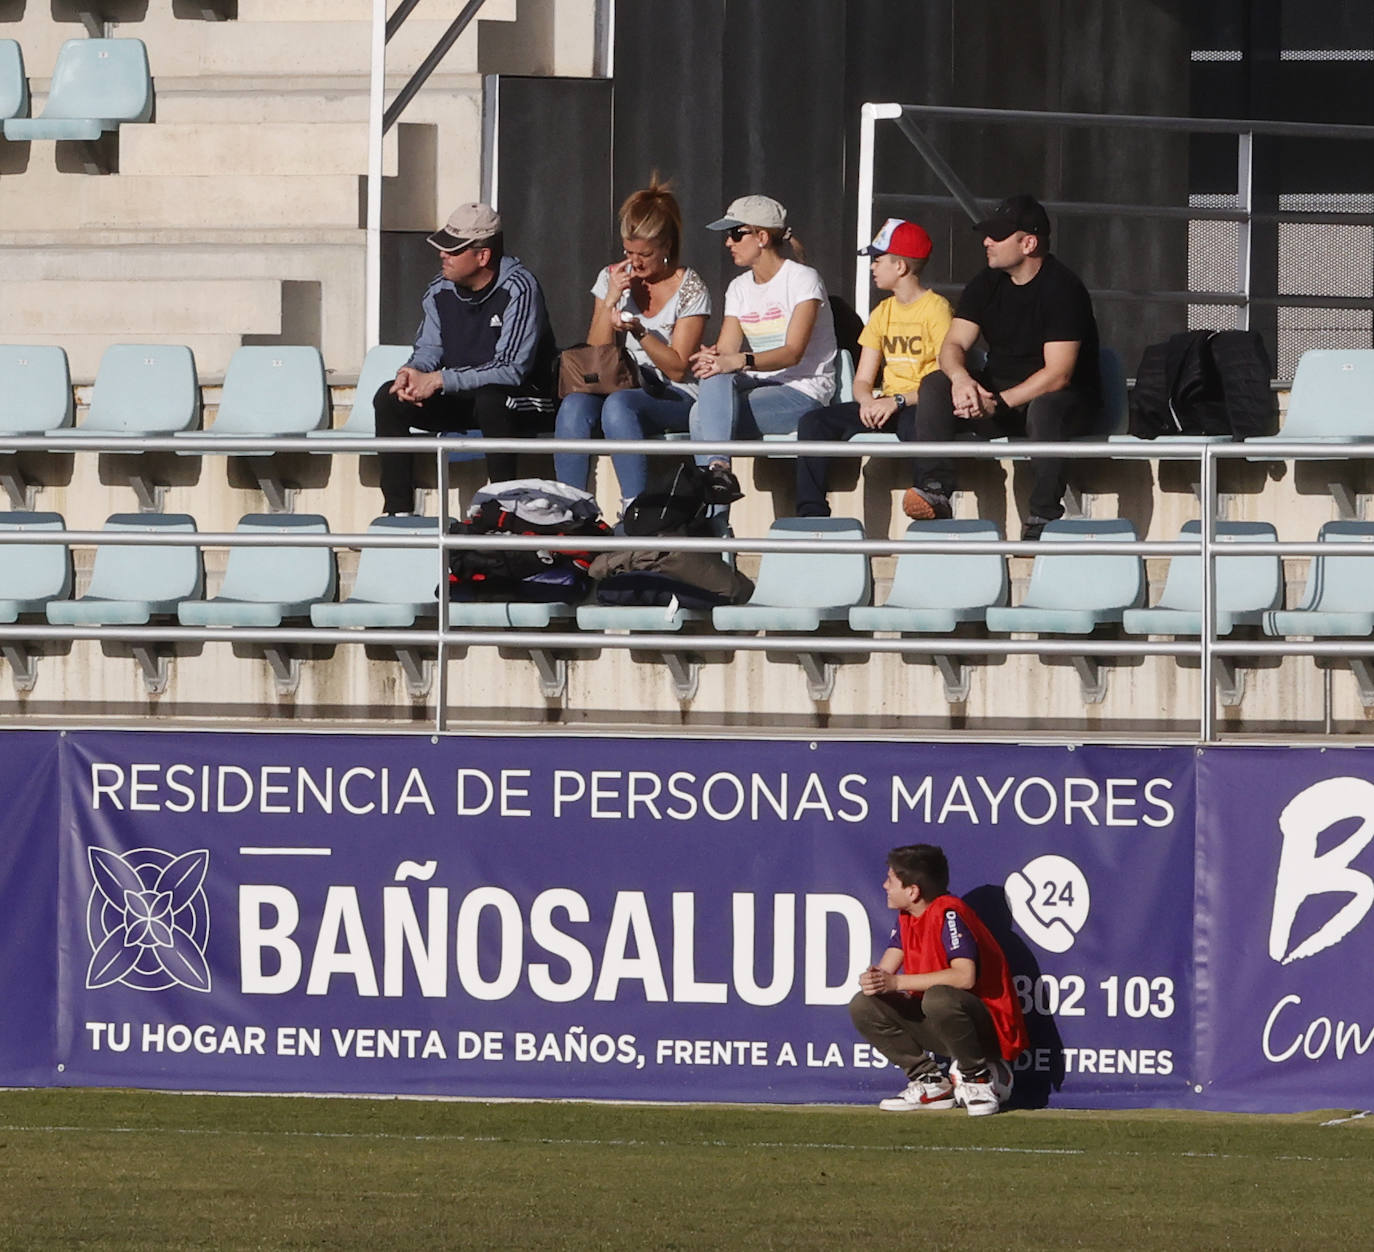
907 1029
839 421
484 409
1049 418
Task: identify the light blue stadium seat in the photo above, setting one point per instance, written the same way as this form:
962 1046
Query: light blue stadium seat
1246 588
1338 600
932 593
14 86
35 389
394 588
97 84
1073 595
271 392
520 615
797 591
379 366
130 585
1332 400
142 389
265 586
32 576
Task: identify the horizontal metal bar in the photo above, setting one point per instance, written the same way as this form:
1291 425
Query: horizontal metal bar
1129 121
582 641
1159 449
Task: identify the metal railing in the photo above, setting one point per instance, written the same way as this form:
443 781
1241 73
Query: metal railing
444 639
907 119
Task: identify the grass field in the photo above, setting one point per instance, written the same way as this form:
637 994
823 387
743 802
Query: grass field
136 1170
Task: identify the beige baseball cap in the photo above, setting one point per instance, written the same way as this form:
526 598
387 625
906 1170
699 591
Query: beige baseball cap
761 211
467 224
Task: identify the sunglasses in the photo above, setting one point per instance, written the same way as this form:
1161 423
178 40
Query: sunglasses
736 233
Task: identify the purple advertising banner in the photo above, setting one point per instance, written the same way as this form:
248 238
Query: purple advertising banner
636 918
1285 939
28 895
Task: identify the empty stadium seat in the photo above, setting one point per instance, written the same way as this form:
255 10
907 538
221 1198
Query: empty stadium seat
35 398
379 366
1332 400
130 585
142 390
1246 588
35 389
97 84
271 392
1338 600
932 593
520 615
797 591
1073 595
264 586
394 587
32 576
14 86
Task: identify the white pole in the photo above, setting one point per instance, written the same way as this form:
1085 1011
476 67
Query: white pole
372 303
868 115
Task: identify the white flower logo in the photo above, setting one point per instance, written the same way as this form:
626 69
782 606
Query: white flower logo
148 920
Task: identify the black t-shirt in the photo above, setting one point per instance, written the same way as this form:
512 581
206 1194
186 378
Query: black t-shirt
1017 322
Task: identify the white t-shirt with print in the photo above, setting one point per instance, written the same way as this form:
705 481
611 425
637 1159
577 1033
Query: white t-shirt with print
691 299
765 309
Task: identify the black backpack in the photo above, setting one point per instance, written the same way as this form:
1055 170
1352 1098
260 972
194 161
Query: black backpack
1203 382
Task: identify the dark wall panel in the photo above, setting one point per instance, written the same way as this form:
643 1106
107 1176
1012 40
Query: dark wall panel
553 182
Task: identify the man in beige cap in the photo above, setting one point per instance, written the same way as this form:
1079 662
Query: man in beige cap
483 355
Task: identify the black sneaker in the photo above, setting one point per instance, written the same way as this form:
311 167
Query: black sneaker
1033 529
722 487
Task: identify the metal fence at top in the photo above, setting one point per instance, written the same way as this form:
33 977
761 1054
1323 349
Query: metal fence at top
443 638
1243 212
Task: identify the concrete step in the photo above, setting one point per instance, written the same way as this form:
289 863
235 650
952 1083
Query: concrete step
319 279
44 199
287 149
361 11
139 307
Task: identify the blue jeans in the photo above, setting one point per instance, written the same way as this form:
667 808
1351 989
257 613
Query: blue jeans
736 406
621 415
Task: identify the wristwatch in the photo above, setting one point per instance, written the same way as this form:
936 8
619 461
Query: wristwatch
748 360
900 400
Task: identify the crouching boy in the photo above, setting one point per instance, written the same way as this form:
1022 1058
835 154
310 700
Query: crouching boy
942 987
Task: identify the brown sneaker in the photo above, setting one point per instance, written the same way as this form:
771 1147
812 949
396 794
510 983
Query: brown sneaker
922 505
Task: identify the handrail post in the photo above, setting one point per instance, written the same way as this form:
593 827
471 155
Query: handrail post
372 296
441 621
1209 591
1245 194
868 118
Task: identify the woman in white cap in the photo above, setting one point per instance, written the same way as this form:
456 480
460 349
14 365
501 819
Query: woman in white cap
662 306
775 357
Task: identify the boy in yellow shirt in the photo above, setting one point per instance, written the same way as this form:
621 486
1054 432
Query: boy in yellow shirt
902 339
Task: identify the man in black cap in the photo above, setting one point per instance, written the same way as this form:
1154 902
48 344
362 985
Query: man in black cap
483 355
1041 377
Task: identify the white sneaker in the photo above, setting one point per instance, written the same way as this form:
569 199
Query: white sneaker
924 1093
979 1099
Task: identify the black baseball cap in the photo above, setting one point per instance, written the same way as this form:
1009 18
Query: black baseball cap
1015 213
